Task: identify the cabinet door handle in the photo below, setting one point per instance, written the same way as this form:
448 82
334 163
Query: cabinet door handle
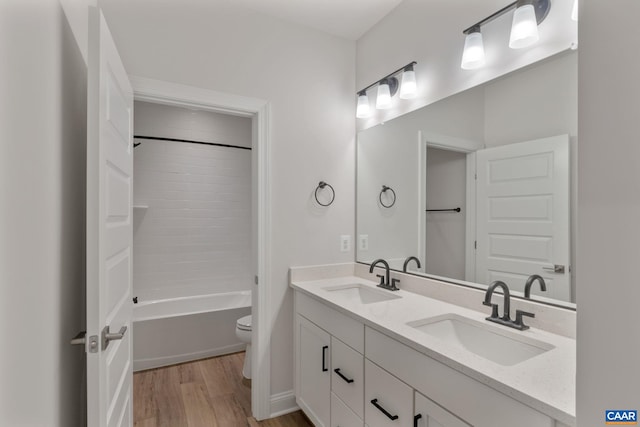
324 358
374 402
341 375
415 420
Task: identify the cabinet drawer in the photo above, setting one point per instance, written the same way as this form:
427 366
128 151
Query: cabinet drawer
428 414
339 325
462 395
341 415
347 375
388 401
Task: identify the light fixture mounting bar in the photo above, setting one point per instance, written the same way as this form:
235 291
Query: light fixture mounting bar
387 76
541 8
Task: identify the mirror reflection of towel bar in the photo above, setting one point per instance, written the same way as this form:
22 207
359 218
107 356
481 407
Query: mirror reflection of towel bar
444 210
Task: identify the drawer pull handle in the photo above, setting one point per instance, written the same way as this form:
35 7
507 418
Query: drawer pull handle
374 402
341 375
324 358
415 420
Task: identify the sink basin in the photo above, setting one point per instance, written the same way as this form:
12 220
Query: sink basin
502 347
362 294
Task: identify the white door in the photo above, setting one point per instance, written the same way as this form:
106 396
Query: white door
109 231
523 215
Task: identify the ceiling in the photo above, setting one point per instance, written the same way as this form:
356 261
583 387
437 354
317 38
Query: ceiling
349 19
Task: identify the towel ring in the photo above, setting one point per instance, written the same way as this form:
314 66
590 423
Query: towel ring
384 190
321 186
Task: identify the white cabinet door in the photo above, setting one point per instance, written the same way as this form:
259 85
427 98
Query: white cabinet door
109 231
313 389
523 214
388 401
428 414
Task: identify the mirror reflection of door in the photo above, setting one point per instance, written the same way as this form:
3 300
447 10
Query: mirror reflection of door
523 214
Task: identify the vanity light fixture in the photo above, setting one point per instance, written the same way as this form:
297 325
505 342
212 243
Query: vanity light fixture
387 87
528 14
383 99
364 109
473 54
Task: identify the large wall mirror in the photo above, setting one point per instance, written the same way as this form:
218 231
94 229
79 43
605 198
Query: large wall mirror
479 186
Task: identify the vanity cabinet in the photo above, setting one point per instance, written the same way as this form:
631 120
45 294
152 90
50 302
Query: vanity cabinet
341 382
312 393
329 374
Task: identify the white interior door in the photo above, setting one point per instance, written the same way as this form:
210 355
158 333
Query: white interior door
109 231
523 214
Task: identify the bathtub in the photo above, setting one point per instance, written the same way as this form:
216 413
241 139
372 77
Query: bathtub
176 330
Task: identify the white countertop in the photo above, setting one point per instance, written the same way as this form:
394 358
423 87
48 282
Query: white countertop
545 382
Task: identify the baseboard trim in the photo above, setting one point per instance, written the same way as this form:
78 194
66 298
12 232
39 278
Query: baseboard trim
283 403
157 362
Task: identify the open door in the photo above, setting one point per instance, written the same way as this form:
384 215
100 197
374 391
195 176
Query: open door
109 232
523 215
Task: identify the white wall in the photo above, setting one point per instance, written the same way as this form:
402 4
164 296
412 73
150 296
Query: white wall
42 204
430 32
446 189
308 78
192 226
609 207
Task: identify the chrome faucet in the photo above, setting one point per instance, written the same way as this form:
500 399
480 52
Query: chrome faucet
384 280
409 259
506 312
530 281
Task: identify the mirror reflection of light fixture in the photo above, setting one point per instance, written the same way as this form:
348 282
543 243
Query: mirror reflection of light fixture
528 14
473 54
574 11
364 109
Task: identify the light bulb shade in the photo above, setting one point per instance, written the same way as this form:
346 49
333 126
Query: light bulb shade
524 28
574 11
383 99
408 86
363 110
473 54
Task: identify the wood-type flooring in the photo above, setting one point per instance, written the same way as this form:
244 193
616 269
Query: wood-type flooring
204 393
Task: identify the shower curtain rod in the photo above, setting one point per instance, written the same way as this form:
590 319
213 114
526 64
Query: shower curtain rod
157 138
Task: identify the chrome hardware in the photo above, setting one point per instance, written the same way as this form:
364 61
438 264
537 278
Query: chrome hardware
557 268
108 336
81 339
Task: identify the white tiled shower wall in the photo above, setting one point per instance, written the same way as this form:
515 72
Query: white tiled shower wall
194 236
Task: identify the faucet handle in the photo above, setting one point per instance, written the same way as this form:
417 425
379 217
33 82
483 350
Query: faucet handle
519 323
494 310
393 284
381 276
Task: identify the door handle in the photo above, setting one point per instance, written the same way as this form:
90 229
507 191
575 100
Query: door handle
324 358
81 339
107 336
557 268
375 403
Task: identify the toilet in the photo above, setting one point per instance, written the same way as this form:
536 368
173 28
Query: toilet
243 332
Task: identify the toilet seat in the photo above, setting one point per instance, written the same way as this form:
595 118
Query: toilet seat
244 323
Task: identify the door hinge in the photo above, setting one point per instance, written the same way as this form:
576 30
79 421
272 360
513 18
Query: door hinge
475 244
255 279
475 176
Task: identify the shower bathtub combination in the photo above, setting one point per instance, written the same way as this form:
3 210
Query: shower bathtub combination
176 330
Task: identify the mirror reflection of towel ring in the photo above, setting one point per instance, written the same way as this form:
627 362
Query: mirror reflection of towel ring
321 186
384 190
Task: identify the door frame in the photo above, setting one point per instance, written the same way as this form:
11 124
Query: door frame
179 95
